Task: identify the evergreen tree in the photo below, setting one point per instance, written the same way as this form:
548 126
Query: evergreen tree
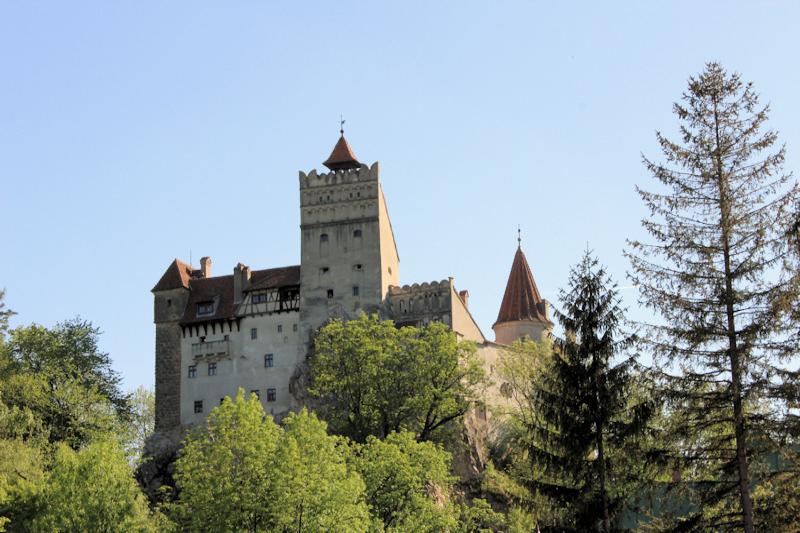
720 274
577 422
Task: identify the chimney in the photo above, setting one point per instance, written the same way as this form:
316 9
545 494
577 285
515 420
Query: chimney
464 295
241 280
205 266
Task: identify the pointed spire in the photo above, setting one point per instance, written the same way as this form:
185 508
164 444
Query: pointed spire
521 300
342 156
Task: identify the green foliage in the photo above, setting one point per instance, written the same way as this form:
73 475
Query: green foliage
92 490
407 482
315 490
480 517
5 315
722 273
22 478
224 472
576 422
376 379
61 377
142 421
244 473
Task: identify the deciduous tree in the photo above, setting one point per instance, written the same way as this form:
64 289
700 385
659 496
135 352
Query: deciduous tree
375 379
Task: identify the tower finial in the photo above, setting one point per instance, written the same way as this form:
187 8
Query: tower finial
341 125
519 236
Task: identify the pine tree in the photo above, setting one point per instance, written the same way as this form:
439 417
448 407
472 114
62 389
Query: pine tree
580 422
720 275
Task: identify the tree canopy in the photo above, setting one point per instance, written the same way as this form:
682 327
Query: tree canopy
375 379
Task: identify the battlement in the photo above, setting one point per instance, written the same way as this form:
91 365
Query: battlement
419 288
362 174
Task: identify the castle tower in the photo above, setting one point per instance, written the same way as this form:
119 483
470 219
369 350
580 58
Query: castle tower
348 253
171 294
523 311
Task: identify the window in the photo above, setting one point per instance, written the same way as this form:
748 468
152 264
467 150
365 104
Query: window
205 308
330 293
256 392
226 337
323 237
270 395
358 267
358 194
390 270
324 270
222 400
268 360
212 369
192 371
198 406
169 302
280 328
294 328
355 290
357 233
253 333
259 297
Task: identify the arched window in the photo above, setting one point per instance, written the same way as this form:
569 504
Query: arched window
323 237
357 233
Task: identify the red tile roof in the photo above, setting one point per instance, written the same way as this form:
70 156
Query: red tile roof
176 276
220 291
521 300
342 156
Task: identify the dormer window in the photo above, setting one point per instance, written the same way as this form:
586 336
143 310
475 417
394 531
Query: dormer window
357 233
205 308
323 237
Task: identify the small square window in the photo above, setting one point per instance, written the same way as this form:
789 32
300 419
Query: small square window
294 327
253 333
192 371
324 270
357 233
212 369
205 308
198 406
280 328
256 392
355 290
268 360
271 395
358 267
330 293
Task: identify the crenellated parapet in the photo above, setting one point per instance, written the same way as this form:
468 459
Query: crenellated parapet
361 174
421 303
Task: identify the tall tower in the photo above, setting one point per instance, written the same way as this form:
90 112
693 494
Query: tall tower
348 253
170 296
523 311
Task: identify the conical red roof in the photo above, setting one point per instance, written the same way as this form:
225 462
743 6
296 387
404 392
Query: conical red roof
521 300
342 156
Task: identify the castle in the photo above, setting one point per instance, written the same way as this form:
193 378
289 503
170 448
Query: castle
253 328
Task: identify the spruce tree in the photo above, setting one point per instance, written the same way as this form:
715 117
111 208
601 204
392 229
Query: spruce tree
580 422
720 274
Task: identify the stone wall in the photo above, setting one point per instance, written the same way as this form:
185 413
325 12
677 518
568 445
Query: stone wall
168 376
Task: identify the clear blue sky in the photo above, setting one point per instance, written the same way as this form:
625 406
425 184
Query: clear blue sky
131 133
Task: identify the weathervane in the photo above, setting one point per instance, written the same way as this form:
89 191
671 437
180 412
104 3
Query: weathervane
519 236
341 125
